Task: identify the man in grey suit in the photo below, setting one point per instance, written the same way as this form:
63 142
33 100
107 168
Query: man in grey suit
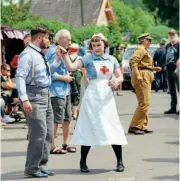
32 80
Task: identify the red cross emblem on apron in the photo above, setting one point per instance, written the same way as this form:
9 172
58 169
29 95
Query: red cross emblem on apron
104 69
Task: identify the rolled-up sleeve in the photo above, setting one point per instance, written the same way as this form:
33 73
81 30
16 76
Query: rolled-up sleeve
86 60
23 69
136 57
116 64
53 66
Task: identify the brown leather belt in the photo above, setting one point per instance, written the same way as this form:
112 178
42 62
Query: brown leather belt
145 68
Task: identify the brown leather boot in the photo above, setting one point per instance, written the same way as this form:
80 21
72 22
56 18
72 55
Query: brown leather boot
136 131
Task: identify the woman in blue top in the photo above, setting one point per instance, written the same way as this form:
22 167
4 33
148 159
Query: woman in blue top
98 122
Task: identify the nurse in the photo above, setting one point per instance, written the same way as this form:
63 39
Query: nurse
98 123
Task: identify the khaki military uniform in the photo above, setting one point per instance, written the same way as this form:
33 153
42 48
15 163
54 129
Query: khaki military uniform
142 58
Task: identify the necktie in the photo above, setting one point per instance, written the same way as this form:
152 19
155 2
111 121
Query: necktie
44 58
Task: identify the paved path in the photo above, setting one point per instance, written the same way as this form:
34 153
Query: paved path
147 158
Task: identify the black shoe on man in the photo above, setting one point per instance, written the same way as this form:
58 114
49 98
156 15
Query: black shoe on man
36 175
147 131
170 111
136 131
50 173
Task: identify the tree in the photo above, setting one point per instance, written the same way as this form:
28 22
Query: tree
13 13
85 32
167 10
158 33
51 25
134 20
135 3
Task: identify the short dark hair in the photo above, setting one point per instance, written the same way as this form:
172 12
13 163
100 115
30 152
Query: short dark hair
38 30
98 39
27 36
162 43
4 66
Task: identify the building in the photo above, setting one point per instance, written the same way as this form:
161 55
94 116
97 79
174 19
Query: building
75 12
11 44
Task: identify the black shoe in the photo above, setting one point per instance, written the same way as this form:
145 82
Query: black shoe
156 89
84 168
170 111
134 91
36 175
120 167
148 131
48 172
164 90
136 131
177 112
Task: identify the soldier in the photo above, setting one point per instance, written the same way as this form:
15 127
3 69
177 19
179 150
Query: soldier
142 67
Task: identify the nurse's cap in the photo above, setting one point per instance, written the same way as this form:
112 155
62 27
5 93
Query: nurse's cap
100 35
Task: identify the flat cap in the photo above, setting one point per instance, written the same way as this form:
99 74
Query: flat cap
172 31
122 45
145 36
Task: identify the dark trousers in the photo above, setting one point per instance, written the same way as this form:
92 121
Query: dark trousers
161 78
172 81
40 123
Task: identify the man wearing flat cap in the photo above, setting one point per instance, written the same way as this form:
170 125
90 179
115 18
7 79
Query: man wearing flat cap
142 67
171 56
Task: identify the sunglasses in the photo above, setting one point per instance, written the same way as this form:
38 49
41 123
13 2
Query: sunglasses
171 34
149 40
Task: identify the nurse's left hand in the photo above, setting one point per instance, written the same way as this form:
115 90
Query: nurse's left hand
113 83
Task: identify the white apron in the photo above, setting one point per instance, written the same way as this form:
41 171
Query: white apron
98 122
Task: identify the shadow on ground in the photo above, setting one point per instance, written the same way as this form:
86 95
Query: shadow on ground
169 160
19 175
13 139
172 143
153 115
12 154
168 178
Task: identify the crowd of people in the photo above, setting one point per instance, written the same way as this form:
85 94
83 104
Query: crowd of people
56 83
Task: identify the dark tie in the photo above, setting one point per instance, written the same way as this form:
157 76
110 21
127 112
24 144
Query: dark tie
45 59
45 62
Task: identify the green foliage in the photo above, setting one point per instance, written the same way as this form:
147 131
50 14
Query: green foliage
135 3
114 34
158 33
52 25
167 10
13 13
132 19
86 32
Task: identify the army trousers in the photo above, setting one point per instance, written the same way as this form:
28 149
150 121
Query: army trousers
143 94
